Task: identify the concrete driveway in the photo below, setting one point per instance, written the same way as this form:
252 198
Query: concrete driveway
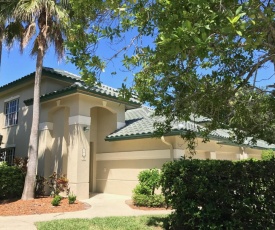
102 205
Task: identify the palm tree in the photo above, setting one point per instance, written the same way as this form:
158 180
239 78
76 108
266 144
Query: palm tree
45 21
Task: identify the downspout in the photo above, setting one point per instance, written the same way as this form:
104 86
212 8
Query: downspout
244 156
170 147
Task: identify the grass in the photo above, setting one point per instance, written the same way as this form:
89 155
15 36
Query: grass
108 223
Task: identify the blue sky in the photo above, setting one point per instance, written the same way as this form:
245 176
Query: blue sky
15 65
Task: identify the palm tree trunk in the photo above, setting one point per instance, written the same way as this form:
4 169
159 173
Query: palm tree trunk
28 192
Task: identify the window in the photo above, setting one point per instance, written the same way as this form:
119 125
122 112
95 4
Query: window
7 155
11 112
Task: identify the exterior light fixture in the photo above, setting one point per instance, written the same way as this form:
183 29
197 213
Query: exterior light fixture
86 128
83 153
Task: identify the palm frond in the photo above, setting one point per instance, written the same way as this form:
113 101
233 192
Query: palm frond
30 30
57 38
51 17
13 32
34 49
27 10
2 31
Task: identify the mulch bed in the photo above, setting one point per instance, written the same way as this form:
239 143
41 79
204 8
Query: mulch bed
16 207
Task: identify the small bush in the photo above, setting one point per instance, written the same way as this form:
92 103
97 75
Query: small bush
149 179
11 181
40 186
71 198
149 200
267 154
144 192
21 163
57 184
56 200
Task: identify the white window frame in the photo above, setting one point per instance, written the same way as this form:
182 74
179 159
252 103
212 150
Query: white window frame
11 109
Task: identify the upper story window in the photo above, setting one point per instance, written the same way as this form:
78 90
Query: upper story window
11 112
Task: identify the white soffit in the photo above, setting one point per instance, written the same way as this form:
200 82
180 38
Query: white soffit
79 120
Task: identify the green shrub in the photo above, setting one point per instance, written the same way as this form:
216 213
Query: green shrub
144 192
11 181
56 200
142 189
149 179
149 200
267 154
71 198
215 194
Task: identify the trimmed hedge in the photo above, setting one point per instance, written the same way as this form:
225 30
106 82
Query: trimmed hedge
214 194
11 181
156 200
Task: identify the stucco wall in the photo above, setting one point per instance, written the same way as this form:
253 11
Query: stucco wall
119 162
18 135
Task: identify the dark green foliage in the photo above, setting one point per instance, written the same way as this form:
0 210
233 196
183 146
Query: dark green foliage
56 200
40 185
144 192
11 181
220 194
202 57
267 154
71 198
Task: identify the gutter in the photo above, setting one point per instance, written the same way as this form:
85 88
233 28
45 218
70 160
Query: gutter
170 147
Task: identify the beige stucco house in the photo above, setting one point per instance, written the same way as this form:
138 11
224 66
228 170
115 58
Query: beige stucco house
98 140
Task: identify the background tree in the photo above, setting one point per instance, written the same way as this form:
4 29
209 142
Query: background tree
46 21
5 10
204 59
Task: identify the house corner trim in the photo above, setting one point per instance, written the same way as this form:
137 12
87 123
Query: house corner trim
46 126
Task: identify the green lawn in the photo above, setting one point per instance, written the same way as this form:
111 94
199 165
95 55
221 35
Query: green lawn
107 223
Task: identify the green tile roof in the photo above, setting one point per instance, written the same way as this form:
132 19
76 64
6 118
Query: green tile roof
97 89
140 124
77 85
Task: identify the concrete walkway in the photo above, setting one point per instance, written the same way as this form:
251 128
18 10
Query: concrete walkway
101 205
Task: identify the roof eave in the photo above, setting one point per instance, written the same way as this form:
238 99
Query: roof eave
77 89
220 140
31 76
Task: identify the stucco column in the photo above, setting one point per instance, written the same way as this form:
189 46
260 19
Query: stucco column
120 119
213 155
79 155
45 139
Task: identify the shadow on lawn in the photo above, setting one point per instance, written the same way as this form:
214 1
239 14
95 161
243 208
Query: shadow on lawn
160 222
